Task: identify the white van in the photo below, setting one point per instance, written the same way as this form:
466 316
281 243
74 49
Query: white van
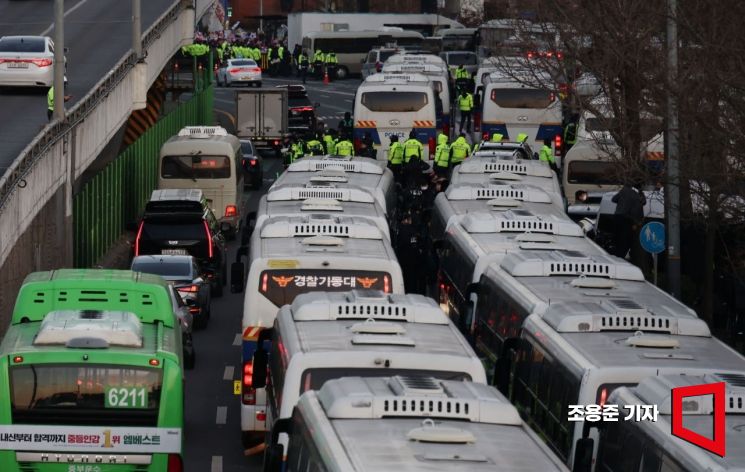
510 108
209 159
452 427
291 255
439 77
394 105
323 336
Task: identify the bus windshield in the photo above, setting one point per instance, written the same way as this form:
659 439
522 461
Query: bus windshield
111 395
396 102
592 172
521 98
281 286
195 167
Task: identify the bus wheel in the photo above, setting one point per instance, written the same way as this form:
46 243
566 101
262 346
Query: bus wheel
342 73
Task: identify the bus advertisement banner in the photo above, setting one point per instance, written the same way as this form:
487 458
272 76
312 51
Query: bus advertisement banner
101 439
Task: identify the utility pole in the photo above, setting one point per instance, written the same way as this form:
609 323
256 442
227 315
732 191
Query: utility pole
672 155
59 60
136 29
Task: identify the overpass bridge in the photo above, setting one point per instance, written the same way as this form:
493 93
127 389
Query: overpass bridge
40 162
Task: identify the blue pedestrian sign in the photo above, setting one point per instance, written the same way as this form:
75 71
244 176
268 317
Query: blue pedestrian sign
652 237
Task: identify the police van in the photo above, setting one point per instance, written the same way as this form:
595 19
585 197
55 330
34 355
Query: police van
585 325
363 333
365 173
409 423
531 173
651 442
419 64
394 105
291 255
512 107
209 159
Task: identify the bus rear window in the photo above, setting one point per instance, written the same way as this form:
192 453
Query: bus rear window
195 167
461 58
592 172
522 98
281 286
64 394
395 102
313 379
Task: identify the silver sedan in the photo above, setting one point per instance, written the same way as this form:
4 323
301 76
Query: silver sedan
239 71
26 61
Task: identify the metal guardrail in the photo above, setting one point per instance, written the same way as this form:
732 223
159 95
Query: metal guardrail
51 134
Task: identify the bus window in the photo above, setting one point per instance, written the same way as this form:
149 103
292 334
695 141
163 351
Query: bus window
462 58
592 172
522 98
281 286
195 167
394 101
85 394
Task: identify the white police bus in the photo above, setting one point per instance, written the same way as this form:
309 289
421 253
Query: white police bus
321 171
627 446
564 327
290 255
364 333
395 105
409 423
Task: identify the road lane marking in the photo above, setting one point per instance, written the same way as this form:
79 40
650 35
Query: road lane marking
229 371
216 464
229 115
237 338
51 25
222 415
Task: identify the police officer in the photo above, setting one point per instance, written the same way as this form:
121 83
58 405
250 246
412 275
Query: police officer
570 135
546 154
329 140
412 148
318 59
522 137
409 254
297 150
50 102
395 157
465 105
346 125
332 63
442 156
314 146
496 138
462 73
459 150
367 148
344 147
302 65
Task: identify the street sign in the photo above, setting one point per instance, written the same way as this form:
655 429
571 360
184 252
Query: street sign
652 237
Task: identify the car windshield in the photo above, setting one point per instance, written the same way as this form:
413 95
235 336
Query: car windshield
22 45
243 62
247 149
164 267
462 58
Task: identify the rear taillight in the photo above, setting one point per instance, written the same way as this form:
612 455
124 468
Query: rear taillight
231 210
42 62
301 109
432 145
252 162
386 284
260 416
248 393
264 283
557 145
485 136
137 239
209 239
243 162
233 71
276 142
254 70
188 288
175 464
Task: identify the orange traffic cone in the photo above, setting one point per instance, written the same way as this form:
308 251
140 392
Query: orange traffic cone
325 77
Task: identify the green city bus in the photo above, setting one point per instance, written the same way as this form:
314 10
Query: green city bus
91 375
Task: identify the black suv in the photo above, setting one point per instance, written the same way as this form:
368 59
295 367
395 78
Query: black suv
302 113
180 222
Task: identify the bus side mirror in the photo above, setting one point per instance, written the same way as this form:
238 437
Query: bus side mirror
273 458
583 455
472 289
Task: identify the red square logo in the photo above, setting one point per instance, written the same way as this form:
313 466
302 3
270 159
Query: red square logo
717 445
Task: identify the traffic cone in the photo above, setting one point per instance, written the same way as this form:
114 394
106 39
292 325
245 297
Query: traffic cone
325 77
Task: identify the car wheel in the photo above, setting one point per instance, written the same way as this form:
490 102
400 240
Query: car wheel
342 73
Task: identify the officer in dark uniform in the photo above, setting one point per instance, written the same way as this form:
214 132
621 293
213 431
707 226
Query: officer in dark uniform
409 254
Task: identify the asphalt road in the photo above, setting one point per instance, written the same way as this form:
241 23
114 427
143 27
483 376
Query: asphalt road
213 441
97 33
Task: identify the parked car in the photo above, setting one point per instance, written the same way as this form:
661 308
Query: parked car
179 222
252 164
26 61
375 59
239 71
186 277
